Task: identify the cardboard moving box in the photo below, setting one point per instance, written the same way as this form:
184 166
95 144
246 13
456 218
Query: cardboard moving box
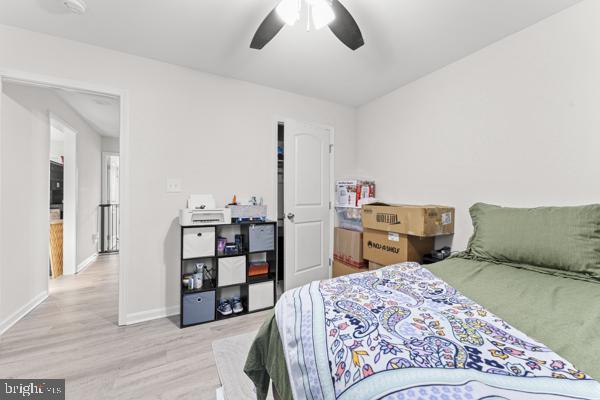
424 221
341 269
388 248
347 247
373 266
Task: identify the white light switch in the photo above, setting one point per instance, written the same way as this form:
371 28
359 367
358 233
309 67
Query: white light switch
174 185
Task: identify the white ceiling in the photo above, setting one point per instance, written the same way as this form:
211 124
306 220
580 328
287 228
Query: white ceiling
405 39
100 112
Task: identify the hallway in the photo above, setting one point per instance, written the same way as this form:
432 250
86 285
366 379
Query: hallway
74 335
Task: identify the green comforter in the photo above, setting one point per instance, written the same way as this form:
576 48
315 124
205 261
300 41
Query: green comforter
561 312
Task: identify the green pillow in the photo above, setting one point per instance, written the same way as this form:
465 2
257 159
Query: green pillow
563 238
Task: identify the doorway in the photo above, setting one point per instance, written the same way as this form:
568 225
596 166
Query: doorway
304 202
109 212
63 197
87 215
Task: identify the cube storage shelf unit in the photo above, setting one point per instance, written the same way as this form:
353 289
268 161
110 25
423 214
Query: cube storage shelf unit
230 272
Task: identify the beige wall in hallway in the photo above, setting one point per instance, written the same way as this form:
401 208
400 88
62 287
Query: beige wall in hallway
40 102
24 170
25 137
110 144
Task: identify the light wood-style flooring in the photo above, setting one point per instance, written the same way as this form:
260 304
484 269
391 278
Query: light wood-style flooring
74 335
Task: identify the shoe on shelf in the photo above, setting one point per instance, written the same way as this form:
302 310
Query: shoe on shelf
237 305
224 307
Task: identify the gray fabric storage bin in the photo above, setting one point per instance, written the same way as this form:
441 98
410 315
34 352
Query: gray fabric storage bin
261 237
198 307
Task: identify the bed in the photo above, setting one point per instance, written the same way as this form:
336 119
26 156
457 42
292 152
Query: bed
528 287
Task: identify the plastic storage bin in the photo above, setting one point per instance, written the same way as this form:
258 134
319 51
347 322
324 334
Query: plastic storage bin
261 237
198 242
349 218
198 307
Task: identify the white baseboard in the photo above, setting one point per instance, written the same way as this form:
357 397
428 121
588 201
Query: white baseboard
143 316
86 263
7 323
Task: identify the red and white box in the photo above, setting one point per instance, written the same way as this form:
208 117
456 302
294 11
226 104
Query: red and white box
354 193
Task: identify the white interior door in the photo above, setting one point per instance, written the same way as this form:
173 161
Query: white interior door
307 191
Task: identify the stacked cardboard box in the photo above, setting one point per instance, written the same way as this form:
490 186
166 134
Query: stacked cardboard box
348 247
348 241
348 252
399 233
341 269
373 266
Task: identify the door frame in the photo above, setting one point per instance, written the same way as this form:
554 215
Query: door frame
105 199
124 171
274 128
71 213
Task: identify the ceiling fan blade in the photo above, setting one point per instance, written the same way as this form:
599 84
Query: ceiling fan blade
267 30
345 27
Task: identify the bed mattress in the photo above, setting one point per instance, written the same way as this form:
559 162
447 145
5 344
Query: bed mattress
563 313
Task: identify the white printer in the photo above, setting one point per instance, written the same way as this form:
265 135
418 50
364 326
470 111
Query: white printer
201 210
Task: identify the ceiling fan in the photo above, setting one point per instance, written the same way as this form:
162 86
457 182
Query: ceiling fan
320 12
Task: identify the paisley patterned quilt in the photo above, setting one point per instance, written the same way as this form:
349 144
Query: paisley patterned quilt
402 333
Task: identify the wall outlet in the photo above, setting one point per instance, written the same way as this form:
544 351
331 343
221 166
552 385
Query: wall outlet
174 185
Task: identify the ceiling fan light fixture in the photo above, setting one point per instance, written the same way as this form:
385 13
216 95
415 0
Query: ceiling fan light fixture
289 11
322 13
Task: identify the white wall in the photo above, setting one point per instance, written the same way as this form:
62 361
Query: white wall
40 102
57 149
110 144
24 232
216 134
515 124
